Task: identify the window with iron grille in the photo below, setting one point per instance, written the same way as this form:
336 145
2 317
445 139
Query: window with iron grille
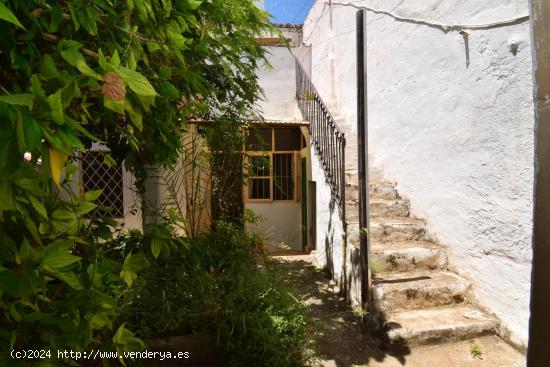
96 175
283 176
259 184
272 159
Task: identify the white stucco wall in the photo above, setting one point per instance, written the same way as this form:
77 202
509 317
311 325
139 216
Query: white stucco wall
329 241
458 138
280 223
279 84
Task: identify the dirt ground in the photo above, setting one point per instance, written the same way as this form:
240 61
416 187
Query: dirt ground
342 341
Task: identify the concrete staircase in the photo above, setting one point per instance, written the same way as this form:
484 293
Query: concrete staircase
416 299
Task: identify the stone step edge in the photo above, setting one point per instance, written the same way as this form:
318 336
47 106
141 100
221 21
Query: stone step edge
378 320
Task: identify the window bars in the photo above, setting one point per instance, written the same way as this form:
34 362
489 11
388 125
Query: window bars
326 137
96 175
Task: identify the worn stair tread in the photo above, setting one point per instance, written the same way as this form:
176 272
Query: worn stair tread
408 256
389 207
397 221
419 289
384 200
384 229
437 324
417 277
378 200
405 245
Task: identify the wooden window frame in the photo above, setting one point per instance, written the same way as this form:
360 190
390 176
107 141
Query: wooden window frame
270 177
269 153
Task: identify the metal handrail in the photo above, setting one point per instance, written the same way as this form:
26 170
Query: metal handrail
329 141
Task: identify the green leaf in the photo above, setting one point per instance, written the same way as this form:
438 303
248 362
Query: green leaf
167 5
193 4
125 340
100 321
147 102
36 87
137 82
115 106
7 15
56 107
70 278
39 207
6 197
27 184
70 51
105 66
115 59
25 99
27 253
156 246
63 215
133 264
57 256
74 16
86 207
168 90
56 18
32 131
135 116
69 138
92 195
33 230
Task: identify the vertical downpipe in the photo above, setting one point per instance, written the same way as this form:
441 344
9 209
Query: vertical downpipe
362 155
539 332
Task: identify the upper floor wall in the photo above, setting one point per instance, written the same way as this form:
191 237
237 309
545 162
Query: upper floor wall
278 82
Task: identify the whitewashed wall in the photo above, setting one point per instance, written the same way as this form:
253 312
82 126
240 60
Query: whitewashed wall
329 247
457 135
280 223
278 82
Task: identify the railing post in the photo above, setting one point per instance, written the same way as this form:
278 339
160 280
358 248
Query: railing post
343 178
362 154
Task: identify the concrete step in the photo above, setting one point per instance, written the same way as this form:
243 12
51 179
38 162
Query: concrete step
379 208
389 208
378 189
397 229
419 289
436 325
352 174
382 189
408 256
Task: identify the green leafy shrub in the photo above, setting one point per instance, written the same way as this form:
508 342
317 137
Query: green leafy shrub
125 74
212 285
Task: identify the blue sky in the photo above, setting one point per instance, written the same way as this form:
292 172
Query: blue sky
288 11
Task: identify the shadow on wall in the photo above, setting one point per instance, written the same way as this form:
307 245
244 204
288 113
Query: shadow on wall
329 240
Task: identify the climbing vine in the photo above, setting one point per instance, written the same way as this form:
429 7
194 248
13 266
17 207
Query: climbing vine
125 74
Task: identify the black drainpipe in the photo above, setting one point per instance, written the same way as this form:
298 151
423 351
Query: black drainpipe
362 155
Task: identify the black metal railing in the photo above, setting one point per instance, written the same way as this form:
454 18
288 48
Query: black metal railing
326 137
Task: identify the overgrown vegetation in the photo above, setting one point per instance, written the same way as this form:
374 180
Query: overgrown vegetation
128 75
211 286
